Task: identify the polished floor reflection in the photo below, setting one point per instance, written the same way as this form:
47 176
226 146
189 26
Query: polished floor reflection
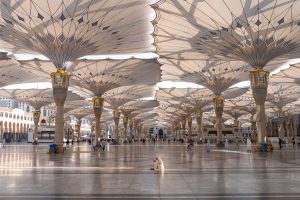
28 172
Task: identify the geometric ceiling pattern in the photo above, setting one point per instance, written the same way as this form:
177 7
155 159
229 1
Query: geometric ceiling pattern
255 32
121 95
210 43
214 75
100 76
69 29
36 98
11 73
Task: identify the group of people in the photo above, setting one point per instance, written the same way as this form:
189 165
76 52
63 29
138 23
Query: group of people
100 145
281 141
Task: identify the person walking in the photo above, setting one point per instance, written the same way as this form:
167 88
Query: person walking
94 143
248 144
226 143
280 143
294 142
237 144
207 146
102 144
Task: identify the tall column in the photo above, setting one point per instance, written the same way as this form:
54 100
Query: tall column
60 83
139 130
135 126
253 127
183 125
177 129
189 122
116 115
280 115
98 105
92 126
290 125
78 124
130 122
36 118
219 105
125 123
199 114
236 122
259 84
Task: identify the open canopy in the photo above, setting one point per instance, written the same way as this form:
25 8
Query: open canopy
255 32
68 29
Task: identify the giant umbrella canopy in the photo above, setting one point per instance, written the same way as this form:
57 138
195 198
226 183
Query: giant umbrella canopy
196 97
36 98
280 95
256 32
100 76
217 76
246 103
288 76
121 95
11 73
132 106
92 78
69 29
80 113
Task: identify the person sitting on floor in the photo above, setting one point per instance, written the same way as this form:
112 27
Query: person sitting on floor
158 165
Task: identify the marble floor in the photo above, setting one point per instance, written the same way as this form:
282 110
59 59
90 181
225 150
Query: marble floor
123 172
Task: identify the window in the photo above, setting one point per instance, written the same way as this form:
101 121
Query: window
1 114
14 116
44 113
6 114
10 115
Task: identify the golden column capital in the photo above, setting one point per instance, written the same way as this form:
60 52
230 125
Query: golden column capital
280 113
98 105
199 112
36 116
116 113
218 105
259 78
60 79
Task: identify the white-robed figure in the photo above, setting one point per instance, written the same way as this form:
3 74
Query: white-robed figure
226 143
248 144
94 144
207 146
158 165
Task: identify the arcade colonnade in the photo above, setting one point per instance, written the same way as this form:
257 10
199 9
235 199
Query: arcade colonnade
14 122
